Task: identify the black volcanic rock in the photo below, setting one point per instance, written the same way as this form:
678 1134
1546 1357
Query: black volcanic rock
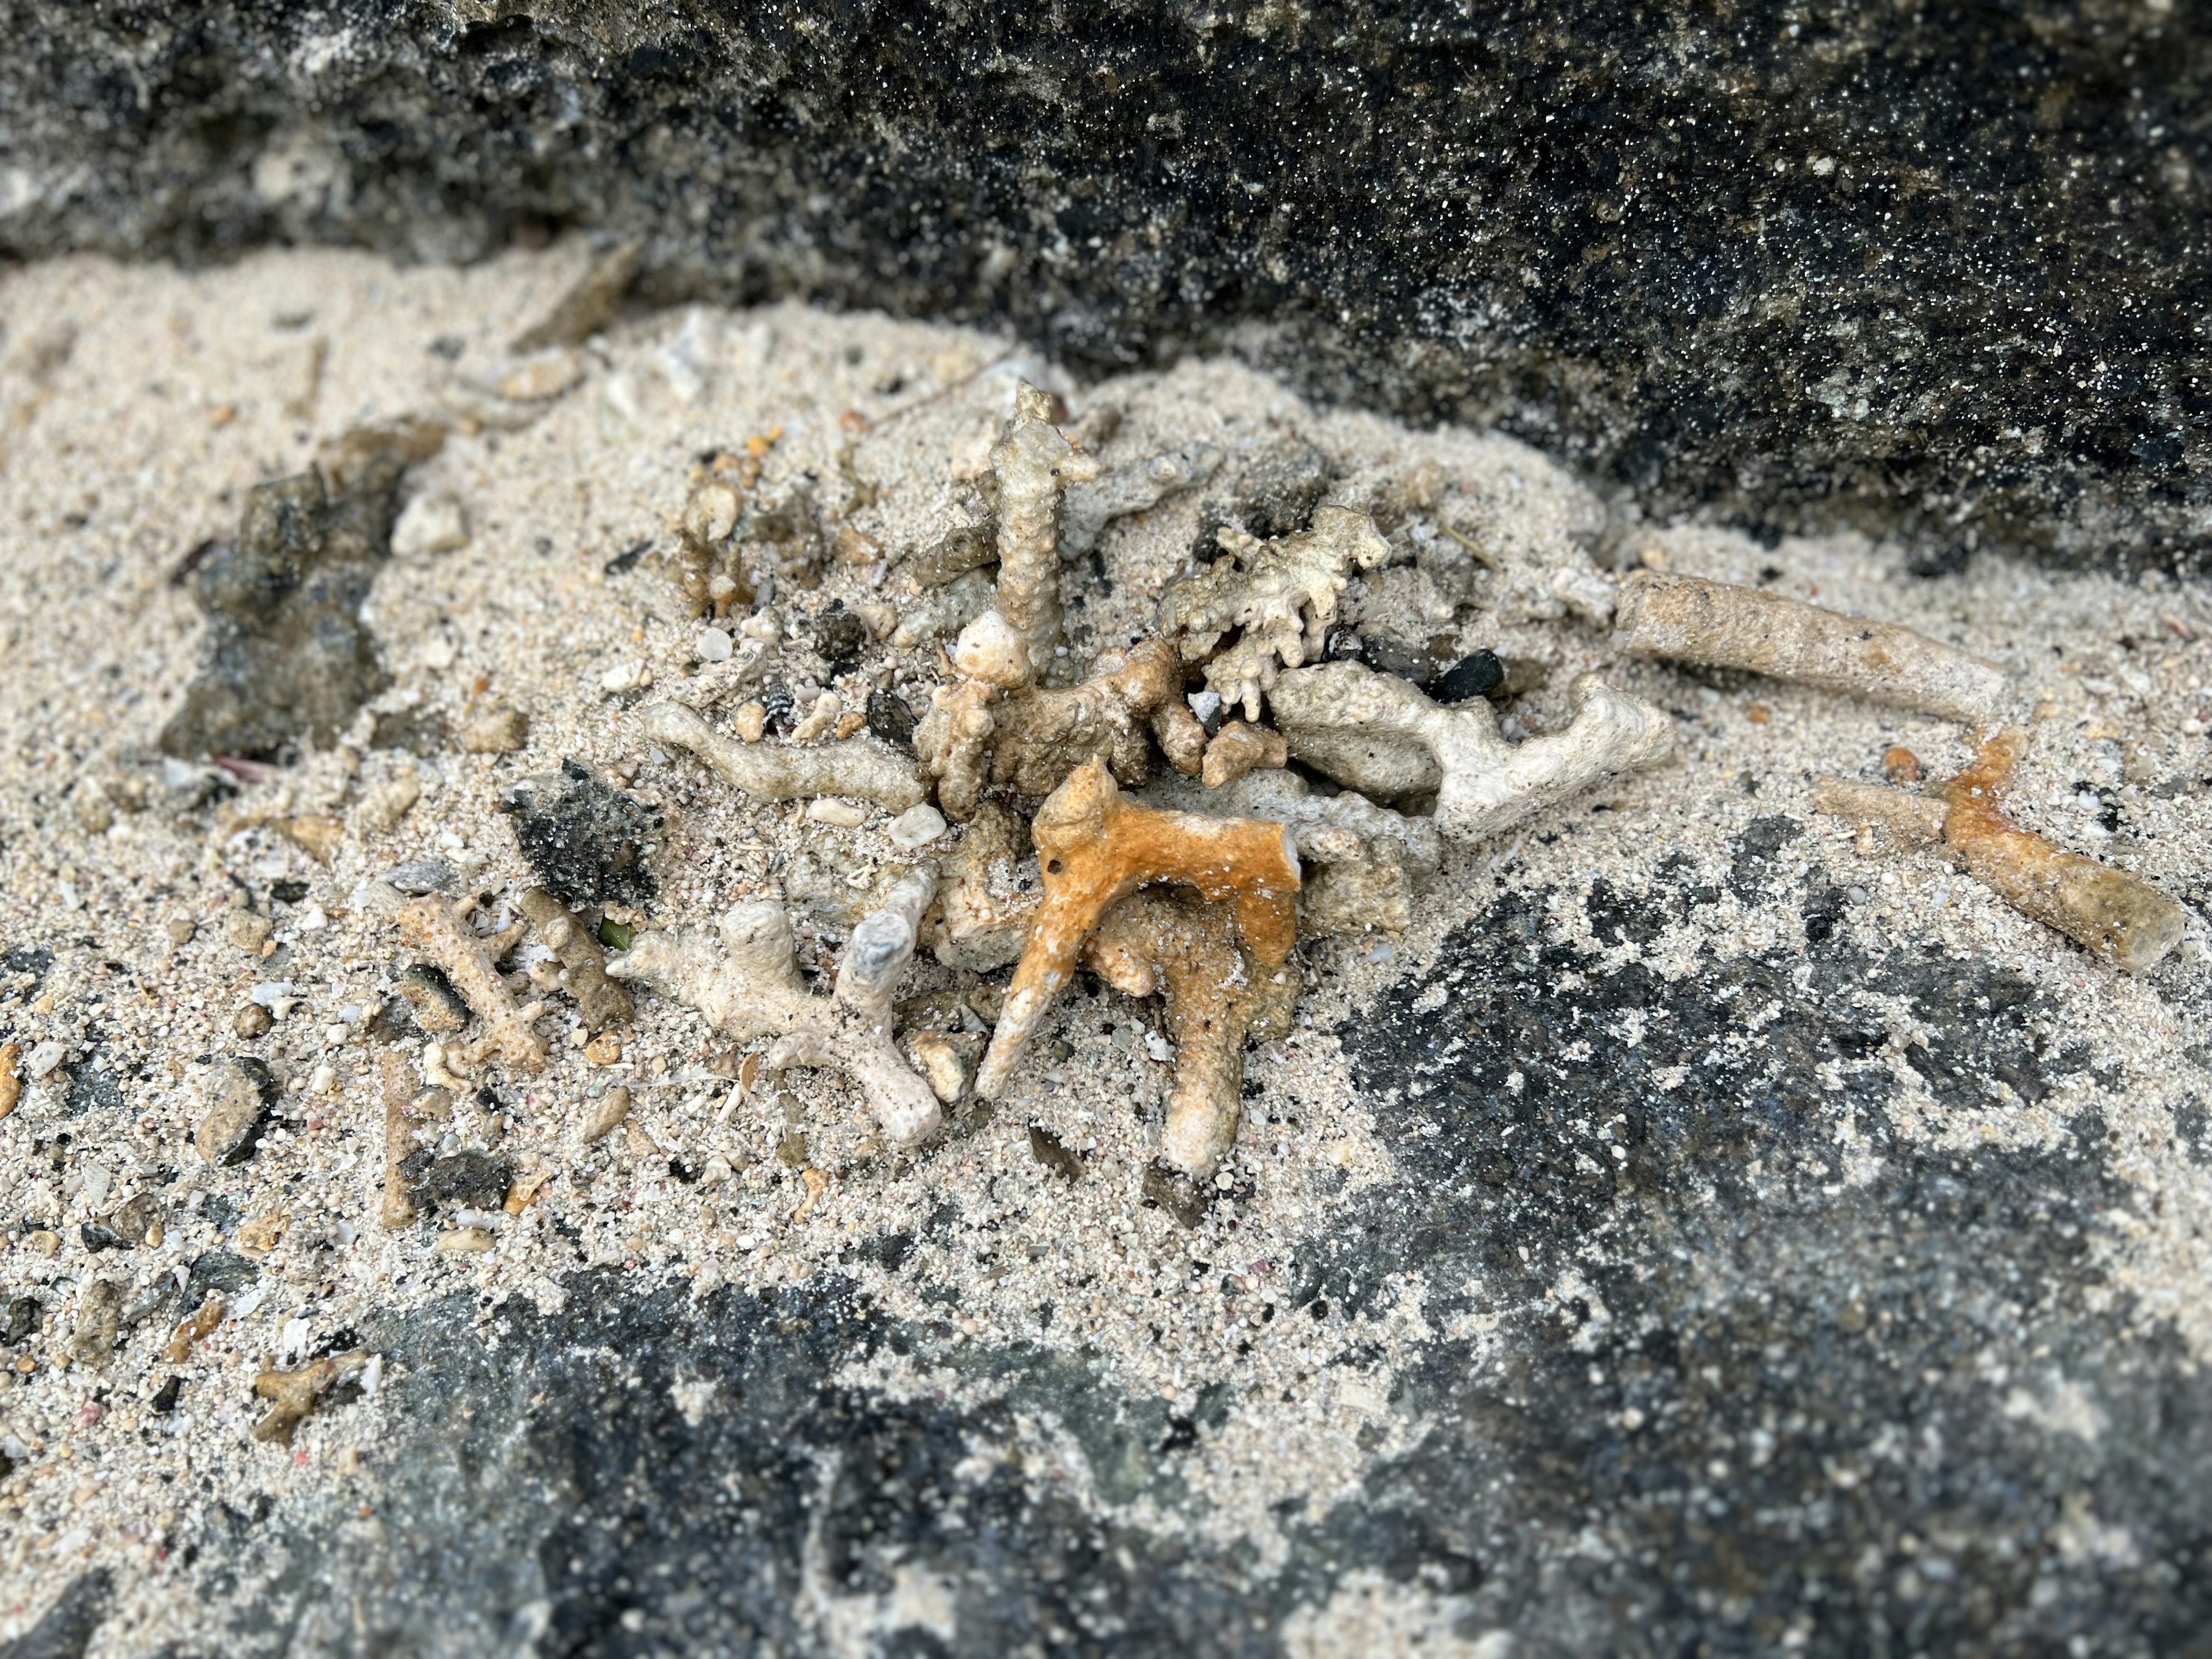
1926 270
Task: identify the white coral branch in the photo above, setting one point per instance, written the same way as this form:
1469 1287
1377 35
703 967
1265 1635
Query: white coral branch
860 767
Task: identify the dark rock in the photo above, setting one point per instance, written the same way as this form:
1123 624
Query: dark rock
1177 1194
1053 1153
219 1272
134 1221
18 1318
98 1236
91 1084
585 839
67 1627
288 655
288 892
475 1180
840 636
438 1007
1891 267
163 1399
891 720
1476 676
1343 644
393 1021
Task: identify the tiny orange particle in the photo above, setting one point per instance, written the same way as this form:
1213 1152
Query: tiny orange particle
604 1050
1902 765
1758 714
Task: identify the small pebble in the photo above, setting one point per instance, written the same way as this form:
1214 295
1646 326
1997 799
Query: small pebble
422 876
612 1107
749 721
180 930
465 1241
385 805
890 719
241 1091
1471 676
427 524
838 814
1902 765
712 645
252 1022
497 730
247 931
917 826
604 1049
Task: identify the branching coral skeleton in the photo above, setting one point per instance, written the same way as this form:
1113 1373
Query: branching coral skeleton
2108 912
1094 845
860 767
1379 735
1283 594
438 929
745 978
1034 466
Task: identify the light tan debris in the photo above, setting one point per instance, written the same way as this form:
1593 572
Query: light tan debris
436 929
241 1091
747 984
861 766
1913 820
592 301
293 1394
1174 944
464 1240
261 1234
1095 845
245 930
1689 619
609 1110
1379 735
317 834
1136 488
194 1327
817 1183
990 650
11 1082
2106 911
396 1080
429 524
583 972
717 681
98 1322
1900 764
984 907
496 730
947 1059
1237 749
604 1049
1035 466
821 721
383 806
749 721
1283 598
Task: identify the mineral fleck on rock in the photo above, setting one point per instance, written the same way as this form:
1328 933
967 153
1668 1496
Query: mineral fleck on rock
288 654
584 840
238 1096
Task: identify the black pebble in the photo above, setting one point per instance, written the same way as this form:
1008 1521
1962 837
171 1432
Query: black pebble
840 636
98 1235
165 1397
289 892
890 719
21 1318
219 1270
1053 1153
1472 676
585 839
475 1179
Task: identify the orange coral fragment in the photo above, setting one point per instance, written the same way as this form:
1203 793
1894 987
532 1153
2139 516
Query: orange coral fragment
1094 845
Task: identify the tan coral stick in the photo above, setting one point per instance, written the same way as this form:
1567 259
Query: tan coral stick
435 928
1689 619
2106 911
396 1209
1042 736
583 964
1095 845
1034 466
860 767
1174 943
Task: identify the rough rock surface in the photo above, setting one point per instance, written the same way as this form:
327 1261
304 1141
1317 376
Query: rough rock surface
1925 270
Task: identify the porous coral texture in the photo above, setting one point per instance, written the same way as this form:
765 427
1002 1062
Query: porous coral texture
861 766
1281 594
1034 465
438 929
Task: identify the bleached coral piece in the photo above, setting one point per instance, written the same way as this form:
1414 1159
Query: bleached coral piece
1378 735
1689 619
1172 943
717 681
1283 598
1035 466
861 766
746 979
2106 911
436 929
1095 845
582 971
990 650
1121 490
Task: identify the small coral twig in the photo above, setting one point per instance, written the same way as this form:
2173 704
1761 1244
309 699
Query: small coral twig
1178 945
1042 736
1034 466
860 767
583 964
1378 735
434 927
1094 845
1237 749
1688 619
747 984
951 742
2106 911
1284 599
396 1209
